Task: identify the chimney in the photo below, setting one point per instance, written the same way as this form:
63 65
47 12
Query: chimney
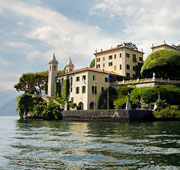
101 50
95 50
164 42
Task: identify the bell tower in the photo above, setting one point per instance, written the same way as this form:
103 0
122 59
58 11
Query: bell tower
53 68
69 67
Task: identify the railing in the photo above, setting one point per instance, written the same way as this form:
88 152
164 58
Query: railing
48 100
146 80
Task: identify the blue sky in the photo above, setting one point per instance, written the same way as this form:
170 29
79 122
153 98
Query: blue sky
32 30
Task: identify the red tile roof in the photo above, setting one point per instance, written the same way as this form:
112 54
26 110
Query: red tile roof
90 69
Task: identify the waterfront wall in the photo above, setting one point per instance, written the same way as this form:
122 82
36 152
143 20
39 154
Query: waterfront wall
108 115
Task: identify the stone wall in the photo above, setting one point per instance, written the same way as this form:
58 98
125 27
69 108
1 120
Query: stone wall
108 115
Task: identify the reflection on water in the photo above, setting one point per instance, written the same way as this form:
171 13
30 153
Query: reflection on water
89 145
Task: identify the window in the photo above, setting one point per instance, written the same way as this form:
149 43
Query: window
103 64
94 90
114 56
71 89
128 66
140 59
71 81
77 90
102 89
98 59
134 68
84 77
54 67
103 58
110 57
106 79
128 75
120 67
114 67
127 55
114 79
94 77
119 55
110 63
77 78
134 57
134 76
98 66
83 89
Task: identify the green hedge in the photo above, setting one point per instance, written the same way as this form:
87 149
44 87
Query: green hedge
165 63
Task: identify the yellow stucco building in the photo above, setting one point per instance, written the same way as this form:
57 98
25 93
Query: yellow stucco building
86 85
165 46
121 59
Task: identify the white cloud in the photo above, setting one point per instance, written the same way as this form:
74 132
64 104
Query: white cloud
19 23
62 35
34 54
145 21
19 45
7 80
5 62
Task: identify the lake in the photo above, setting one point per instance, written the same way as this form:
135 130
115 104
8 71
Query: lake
88 145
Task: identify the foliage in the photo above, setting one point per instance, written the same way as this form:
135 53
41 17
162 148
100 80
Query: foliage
120 101
33 83
170 93
60 100
138 70
92 64
102 104
26 104
168 112
65 91
52 111
165 63
147 94
58 89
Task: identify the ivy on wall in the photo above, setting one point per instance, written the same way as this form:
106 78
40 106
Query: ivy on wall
65 91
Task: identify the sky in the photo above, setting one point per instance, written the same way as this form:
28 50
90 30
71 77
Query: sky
32 30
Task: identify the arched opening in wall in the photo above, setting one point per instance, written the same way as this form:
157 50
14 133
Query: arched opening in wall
92 105
80 106
54 67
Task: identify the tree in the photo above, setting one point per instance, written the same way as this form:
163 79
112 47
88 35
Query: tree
102 104
165 63
92 64
33 83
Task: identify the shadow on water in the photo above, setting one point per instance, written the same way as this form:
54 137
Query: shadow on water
94 145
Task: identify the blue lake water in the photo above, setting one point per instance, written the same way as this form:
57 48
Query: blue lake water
88 145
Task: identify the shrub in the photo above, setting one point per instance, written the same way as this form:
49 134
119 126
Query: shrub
121 99
24 103
168 112
52 111
165 63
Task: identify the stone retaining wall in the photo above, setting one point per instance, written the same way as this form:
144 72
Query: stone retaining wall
108 115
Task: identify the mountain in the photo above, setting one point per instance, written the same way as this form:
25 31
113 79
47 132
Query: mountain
8 102
9 108
7 95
